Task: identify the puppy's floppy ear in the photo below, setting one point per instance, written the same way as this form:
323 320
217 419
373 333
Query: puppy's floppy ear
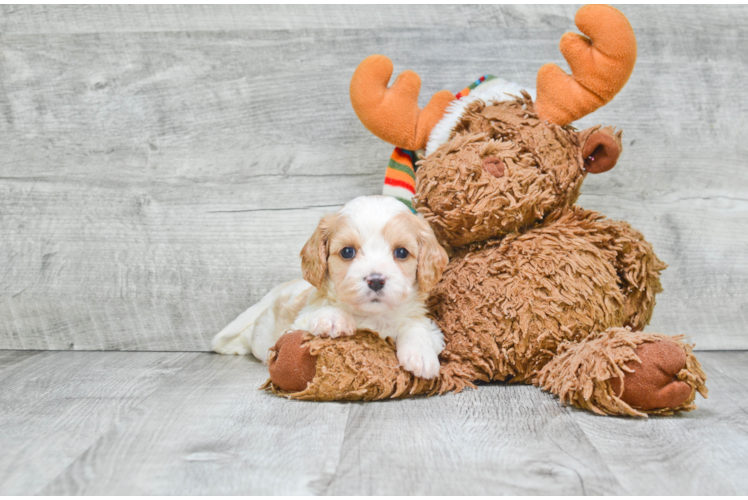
432 258
314 254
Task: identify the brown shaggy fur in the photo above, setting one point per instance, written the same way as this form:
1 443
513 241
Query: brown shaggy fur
361 367
582 374
537 291
464 203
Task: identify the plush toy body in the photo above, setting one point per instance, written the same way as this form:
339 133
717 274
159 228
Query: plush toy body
538 290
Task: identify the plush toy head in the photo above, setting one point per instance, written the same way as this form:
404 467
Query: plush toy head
497 162
504 168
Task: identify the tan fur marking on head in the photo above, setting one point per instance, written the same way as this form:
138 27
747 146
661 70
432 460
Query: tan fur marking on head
402 232
430 259
315 252
344 235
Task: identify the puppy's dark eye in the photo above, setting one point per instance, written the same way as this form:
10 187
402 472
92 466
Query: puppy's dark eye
401 253
348 253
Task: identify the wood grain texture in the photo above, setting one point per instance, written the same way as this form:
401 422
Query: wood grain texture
498 440
43 19
136 18
210 431
8 359
651 457
163 165
195 423
54 405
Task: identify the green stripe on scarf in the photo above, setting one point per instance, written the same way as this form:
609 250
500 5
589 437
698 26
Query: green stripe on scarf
407 202
402 168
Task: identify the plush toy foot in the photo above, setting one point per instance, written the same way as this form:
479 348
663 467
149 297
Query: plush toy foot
360 367
290 363
653 384
622 372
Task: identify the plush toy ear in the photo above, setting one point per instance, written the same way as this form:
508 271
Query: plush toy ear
601 150
314 254
432 258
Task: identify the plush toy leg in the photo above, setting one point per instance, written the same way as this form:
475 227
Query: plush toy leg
362 367
638 268
622 372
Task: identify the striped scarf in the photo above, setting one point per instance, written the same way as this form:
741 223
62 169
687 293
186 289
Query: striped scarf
400 177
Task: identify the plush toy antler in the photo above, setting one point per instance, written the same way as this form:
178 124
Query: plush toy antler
600 66
392 114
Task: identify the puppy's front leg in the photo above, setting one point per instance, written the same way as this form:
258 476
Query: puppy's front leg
327 320
418 349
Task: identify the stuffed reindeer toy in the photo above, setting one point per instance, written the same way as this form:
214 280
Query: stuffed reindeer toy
538 290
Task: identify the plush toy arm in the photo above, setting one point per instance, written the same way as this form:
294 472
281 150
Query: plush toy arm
361 367
621 372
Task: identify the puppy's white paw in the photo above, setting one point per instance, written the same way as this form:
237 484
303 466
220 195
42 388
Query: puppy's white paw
332 323
421 361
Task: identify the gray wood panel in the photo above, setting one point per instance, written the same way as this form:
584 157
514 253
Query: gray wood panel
189 424
498 440
210 431
163 165
138 18
698 453
54 405
40 19
9 359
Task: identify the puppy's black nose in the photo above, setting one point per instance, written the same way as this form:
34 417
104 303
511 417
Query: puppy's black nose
375 282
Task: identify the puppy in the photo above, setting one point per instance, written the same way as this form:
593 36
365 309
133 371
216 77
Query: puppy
369 266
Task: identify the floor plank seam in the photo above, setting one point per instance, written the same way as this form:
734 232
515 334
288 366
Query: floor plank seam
575 414
326 490
109 429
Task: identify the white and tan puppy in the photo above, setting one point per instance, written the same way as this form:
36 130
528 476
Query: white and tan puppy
369 266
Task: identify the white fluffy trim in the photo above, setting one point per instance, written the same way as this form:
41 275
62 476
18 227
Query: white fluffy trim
497 89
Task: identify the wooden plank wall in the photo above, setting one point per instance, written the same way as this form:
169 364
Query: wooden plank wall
162 166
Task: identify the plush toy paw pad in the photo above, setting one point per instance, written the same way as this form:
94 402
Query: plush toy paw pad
293 367
653 383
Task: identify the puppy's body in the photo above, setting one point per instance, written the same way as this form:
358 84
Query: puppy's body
370 266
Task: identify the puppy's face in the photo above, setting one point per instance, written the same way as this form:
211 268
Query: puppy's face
374 254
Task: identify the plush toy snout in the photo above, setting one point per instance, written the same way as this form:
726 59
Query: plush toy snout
494 166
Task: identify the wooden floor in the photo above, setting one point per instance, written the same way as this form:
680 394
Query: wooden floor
195 423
